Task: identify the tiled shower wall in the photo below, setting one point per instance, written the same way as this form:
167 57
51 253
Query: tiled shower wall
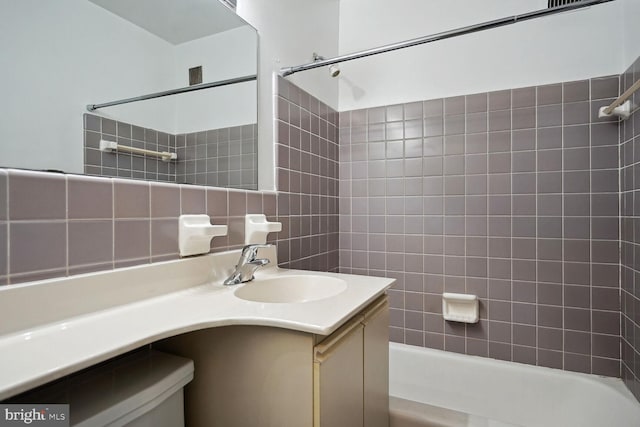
509 195
630 258
54 225
225 157
307 174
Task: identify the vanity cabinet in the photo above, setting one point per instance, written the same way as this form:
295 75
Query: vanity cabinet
376 365
274 377
338 369
351 371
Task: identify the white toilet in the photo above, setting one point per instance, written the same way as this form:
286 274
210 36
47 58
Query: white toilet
141 390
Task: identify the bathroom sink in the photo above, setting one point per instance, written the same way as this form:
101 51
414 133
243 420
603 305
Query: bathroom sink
291 289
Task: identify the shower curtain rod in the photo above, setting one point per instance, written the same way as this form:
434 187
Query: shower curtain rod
441 36
93 107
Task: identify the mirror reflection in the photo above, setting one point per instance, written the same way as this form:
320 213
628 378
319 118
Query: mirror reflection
58 57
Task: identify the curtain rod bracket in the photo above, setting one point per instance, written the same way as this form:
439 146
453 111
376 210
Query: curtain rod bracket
623 111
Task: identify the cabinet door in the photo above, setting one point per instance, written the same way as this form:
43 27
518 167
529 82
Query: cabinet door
338 378
376 365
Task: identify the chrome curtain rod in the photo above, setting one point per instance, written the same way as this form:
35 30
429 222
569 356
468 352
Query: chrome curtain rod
93 107
441 36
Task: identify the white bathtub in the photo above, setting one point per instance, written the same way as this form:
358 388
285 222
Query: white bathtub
485 392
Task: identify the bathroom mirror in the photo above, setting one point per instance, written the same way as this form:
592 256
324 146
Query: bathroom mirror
59 56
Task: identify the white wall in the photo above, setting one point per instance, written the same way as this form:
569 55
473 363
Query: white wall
631 17
222 56
290 31
56 58
59 56
570 46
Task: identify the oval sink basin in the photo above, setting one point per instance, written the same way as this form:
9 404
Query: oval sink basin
291 289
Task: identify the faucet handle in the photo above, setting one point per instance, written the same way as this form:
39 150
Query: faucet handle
250 252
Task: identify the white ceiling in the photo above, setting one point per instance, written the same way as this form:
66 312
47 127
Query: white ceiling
176 21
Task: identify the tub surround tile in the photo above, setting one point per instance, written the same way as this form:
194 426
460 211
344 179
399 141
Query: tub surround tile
629 132
606 367
307 199
519 205
550 359
605 87
549 94
577 363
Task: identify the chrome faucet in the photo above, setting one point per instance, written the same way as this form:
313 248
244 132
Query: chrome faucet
247 265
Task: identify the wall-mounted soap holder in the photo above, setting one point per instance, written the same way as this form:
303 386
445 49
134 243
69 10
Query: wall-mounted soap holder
195 233
460 307
256 228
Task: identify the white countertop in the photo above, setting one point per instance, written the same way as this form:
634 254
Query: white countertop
46 331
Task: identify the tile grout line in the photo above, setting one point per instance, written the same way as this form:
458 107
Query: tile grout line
8 215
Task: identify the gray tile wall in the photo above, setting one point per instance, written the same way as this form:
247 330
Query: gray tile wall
54 225
630 257
307 177
225 157
509 195
126 165
58 225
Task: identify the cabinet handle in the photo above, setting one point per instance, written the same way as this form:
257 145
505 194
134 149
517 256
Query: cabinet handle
376 307
322 351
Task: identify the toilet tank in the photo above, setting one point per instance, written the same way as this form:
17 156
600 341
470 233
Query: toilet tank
144 389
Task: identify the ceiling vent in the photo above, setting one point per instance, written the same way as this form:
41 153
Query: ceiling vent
557 3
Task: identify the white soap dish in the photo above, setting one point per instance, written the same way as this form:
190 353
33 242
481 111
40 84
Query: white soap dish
460 308
256 228
195 233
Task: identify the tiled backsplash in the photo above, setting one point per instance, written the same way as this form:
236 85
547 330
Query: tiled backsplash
225 157
64 224
54 225
630 258
509 195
